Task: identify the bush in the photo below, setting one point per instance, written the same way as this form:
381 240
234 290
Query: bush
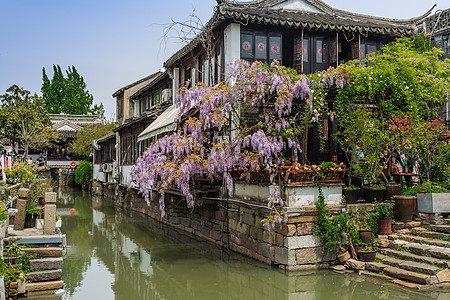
427 187
84 172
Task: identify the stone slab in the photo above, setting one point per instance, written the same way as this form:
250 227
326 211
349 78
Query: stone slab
314 255
338 268
50 198
19 219
375 266
285 256
407 284
46 275
444 276
355 264
414 257
47 263
42 286
49 219
299 242
44 251
411 276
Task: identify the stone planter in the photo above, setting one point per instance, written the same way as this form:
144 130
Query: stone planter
404 208
351 195
430 203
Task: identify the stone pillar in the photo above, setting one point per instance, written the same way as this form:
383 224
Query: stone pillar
50 213
19 219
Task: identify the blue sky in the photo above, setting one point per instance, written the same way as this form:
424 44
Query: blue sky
113 43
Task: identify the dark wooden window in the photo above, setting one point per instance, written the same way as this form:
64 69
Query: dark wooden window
262 46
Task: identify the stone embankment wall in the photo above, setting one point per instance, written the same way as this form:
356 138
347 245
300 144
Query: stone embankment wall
290 246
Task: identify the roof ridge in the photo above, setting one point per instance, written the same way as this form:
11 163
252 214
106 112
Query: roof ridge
327 9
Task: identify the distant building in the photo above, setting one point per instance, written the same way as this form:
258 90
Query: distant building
67 127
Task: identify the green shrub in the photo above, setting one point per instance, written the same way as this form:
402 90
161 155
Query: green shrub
84 172
427 187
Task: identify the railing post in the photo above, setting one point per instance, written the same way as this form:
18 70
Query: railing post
19 219
50 213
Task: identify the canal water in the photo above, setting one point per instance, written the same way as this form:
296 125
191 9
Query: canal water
114 254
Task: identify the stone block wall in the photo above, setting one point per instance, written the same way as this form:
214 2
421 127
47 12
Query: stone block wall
290 246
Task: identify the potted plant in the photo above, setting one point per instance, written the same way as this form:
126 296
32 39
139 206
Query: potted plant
4 218
367 254
431 198
392 189
351 193
384 212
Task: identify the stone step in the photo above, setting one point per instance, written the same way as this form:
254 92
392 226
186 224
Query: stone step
439 228
410 276
417 258
418 249
425 241
50 263
430 234
411 266
43 286
46 275
44 251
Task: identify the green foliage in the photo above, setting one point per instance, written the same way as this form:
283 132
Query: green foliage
427 187
68 95
364 140
27 176
84 173
384 210
23 119
333 231
82 144
3 213
404 77
14 266
404 85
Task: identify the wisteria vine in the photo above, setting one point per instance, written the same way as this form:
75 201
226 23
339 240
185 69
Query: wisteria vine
221 111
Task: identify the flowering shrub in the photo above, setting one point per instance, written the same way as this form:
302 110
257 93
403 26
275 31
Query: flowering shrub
222 111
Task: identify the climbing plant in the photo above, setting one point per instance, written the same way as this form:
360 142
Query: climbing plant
248 124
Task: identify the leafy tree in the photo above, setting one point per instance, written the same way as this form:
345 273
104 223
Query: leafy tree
405 77
23 119
84 173
67 95
82 144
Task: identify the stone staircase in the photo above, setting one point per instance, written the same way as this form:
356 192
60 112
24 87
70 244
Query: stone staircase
416 257
48 260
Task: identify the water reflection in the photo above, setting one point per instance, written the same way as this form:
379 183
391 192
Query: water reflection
121 255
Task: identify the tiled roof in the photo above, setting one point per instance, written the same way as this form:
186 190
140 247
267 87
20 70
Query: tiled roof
326 18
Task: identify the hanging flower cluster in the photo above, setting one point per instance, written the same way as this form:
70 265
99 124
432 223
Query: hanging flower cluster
214 136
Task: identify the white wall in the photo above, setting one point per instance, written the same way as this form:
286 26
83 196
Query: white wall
232 49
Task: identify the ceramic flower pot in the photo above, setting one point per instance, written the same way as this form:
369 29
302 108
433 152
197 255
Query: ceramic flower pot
367 256
404 208
384 226
351 195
